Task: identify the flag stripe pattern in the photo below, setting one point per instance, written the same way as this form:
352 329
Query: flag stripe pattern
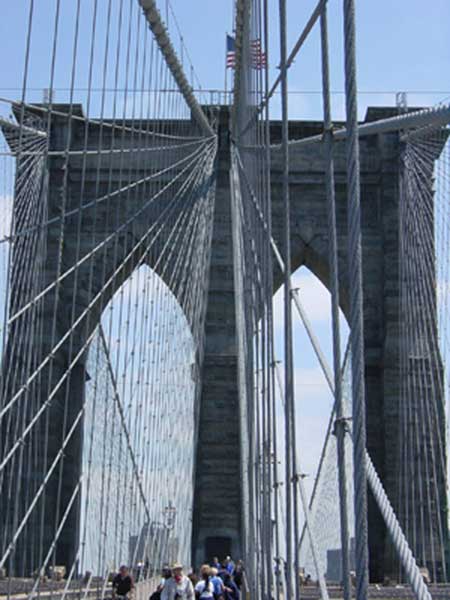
258 57
259 60
231 52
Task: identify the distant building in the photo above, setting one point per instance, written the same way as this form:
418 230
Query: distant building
152 541
334 562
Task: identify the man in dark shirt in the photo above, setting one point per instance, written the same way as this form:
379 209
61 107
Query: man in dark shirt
122 583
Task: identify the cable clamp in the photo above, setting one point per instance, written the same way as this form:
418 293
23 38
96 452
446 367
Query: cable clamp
329 130
341 423
297 476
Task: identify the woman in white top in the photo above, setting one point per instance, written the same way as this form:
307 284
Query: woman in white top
205 587
178 587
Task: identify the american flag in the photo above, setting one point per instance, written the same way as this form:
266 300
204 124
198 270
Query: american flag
231 52
259 59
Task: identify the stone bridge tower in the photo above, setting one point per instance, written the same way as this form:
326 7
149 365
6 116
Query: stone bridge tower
217 503
217 507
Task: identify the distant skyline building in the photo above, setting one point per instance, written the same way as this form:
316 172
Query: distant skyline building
151 541
334 562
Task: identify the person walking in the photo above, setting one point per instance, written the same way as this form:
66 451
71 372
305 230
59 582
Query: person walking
178 587
165 575
238 574
217 584
231 590
123 584
229 565
204 589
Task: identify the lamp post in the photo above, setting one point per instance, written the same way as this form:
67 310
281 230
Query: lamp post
170 513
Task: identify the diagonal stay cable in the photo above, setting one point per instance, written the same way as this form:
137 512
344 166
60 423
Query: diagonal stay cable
163 40
114 234
107 197
52 468
299 477
123 420
385 507
62 340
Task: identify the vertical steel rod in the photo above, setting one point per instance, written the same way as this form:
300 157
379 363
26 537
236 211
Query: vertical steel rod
291 474
320 576
288 370
270 340
334 288
398 538
356 304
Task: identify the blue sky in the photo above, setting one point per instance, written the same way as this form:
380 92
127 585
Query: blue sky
402 45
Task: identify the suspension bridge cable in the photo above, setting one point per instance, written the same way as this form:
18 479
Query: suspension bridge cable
334 288
137 196
288 358
356 308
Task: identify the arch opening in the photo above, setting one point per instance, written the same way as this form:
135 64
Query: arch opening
316 447
139 428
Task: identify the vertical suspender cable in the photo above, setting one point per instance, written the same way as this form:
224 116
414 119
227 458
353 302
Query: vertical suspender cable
398 538
288 372
269 295
334 287
356 304
312 542
307 513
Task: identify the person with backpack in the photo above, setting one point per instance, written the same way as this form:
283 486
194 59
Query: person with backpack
204 590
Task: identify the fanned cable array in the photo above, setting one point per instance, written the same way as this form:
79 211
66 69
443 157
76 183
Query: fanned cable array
424 285
105 263
287 534
251 214
281 524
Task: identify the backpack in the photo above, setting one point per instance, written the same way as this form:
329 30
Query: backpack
206 588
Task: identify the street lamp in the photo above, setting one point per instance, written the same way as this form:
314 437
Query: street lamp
170 514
